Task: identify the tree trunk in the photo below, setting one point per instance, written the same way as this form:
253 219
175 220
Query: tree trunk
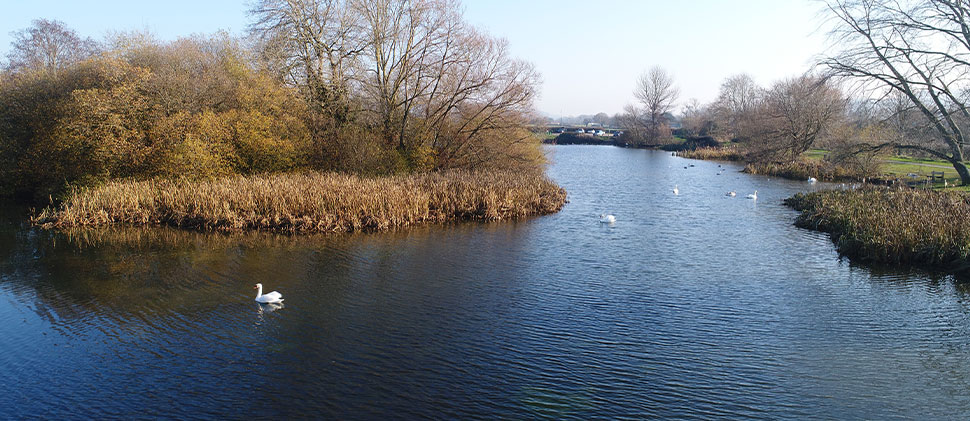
962 170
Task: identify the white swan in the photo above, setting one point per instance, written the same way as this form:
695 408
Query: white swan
731 193
607 219
812 180
676 191
753 196
272 297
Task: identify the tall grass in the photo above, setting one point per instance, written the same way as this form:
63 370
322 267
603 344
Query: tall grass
309 202
892 226
724 153
802 170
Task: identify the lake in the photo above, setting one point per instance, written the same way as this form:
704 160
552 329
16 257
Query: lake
691 306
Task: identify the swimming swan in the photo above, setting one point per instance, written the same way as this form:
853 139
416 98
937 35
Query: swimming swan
607 219
676 191
272 297
731 193
753 196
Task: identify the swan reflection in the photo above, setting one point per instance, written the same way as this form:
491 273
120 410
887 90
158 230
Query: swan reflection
268 308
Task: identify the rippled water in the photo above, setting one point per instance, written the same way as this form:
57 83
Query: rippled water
698 306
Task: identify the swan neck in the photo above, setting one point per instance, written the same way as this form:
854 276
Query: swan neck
259 291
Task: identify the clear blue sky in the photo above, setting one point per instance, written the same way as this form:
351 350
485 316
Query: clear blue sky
589 52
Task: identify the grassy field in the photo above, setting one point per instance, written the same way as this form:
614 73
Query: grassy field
309 202
901 167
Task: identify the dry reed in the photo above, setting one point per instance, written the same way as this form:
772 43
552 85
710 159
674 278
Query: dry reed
309 202
892 226
802 170
724 153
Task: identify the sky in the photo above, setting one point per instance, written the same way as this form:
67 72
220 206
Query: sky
590 53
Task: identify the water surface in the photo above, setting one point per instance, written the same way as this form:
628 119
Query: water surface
698 306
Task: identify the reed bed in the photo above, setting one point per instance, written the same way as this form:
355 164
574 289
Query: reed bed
309 202
892 226
802 170
713 154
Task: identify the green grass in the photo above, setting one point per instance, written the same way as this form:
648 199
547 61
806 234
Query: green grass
815 154
901 166
918 160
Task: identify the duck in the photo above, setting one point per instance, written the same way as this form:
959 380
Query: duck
731 193
272 297
753 196
812 180
607 219
676 191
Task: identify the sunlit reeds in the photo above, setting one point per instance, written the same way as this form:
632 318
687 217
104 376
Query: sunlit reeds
310 202
893 226
802 170
724 153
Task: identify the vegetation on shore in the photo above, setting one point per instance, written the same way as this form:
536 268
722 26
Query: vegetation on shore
802 170
368 88
877 224
713 154
342 116
310 201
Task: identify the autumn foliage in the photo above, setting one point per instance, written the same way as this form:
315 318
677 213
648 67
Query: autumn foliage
82 113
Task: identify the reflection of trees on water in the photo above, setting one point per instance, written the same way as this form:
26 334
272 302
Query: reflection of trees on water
133 273
144 273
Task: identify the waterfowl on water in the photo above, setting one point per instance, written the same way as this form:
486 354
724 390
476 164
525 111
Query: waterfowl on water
731 193
812 180
607 219
753 196
272 297
676 191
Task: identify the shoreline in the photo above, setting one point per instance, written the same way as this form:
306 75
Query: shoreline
892 226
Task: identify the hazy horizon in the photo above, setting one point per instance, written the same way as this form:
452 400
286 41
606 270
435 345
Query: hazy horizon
589 55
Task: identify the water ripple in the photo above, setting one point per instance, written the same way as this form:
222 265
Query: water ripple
695 306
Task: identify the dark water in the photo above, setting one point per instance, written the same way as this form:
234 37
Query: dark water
693 306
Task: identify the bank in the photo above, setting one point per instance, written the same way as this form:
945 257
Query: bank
924 228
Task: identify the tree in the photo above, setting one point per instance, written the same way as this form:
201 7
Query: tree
657 95
697 119
421 86
917 49
603 119
314 45
48 45
736 104
796 112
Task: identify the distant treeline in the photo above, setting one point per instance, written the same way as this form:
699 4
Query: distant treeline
363 87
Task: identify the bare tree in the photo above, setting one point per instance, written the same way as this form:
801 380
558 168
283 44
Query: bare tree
694 118
796 112
312 44
736 104
424 84
917 49
657 95
48 45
